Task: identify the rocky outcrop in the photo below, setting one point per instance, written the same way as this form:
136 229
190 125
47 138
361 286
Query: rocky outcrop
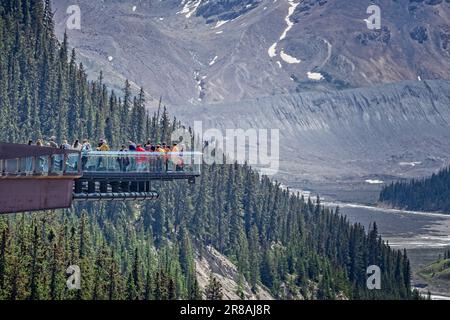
214 11
226 272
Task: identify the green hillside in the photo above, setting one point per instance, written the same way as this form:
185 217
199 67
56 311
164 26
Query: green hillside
438 272
430 194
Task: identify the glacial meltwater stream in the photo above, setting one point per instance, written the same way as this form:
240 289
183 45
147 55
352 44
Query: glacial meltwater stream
424 235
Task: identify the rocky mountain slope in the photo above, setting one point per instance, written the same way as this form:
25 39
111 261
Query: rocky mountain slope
357 136
196 51
212 262
311 68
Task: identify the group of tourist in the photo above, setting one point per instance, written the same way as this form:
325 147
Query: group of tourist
85 146
163 155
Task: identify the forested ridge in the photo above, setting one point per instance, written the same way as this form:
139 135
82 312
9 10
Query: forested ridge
147 250
428 194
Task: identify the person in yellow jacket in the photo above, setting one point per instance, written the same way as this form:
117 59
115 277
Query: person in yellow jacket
175 148
166 155
159 149
160 157
176 158
102 146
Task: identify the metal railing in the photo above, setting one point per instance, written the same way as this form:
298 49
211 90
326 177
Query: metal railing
45 165
182 163
141 162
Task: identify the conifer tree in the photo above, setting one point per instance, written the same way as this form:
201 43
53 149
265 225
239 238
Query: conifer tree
213 290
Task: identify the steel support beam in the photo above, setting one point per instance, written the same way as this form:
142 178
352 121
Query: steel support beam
119 196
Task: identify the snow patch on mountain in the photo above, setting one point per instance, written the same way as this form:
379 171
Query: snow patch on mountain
273 49
220 23
200 80
317 76
289 59
293 5
190 7
370 181
213 61
411 164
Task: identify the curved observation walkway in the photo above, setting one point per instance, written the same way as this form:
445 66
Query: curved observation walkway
47 178
129 175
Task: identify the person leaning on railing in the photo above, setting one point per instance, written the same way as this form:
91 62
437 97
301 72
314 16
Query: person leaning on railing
28 160
73 161
148 146
60 158
132 148
140 161
85 149
52 143
160 157
102 146
41 163
176 159
123 161
153 160
76 145
167 156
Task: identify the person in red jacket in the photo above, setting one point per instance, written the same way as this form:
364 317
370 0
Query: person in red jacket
139 148
140 160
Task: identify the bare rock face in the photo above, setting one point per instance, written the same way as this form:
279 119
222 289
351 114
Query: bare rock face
195 52
221 10
226 272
